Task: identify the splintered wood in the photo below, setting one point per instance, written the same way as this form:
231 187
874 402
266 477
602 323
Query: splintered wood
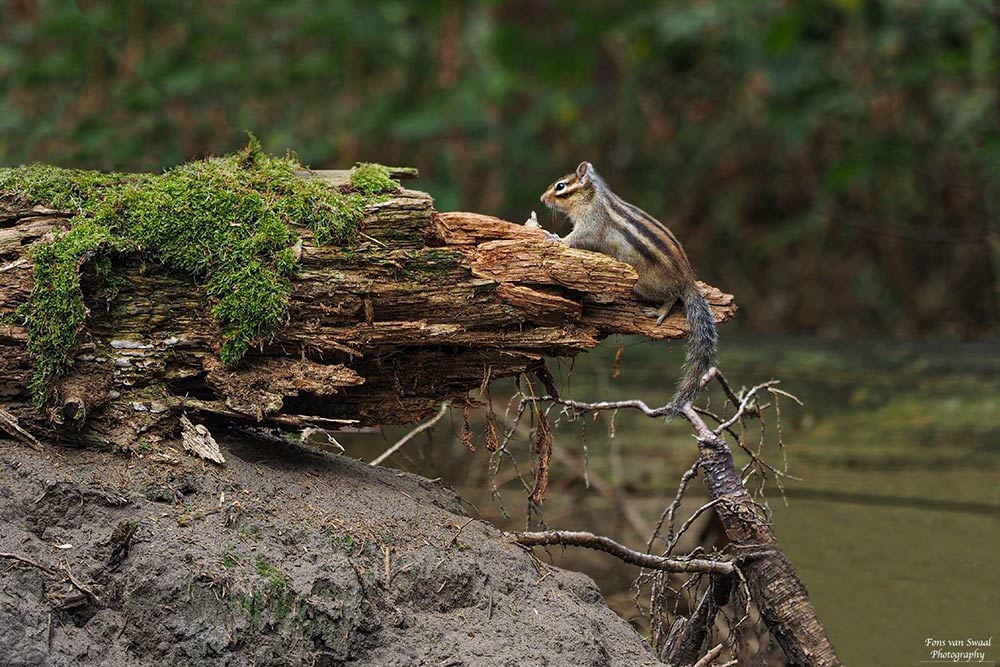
415 312
196 439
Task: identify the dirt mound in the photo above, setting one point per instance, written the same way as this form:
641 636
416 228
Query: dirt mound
281 557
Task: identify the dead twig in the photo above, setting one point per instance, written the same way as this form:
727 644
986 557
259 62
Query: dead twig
28 561
78 585
409 436
9 424
606 544
671 510
707 659
675 537
543 454
454 538
715 374
635 404
743 406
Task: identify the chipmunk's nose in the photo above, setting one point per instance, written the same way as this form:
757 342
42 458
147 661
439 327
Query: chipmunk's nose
542 198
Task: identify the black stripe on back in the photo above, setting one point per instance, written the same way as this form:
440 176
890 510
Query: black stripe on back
638 211
639 245
616 205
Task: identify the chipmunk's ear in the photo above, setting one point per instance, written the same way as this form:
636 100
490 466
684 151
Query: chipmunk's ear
584 171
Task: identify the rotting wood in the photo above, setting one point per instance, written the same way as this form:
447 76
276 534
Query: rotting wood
199 441
416 312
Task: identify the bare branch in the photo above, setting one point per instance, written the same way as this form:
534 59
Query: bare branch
744 405
690 520
662 411
28 561
79 585
9 424
606 544
671 509
409 436
707 659
715 374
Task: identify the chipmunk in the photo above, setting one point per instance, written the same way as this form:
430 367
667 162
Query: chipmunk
604 222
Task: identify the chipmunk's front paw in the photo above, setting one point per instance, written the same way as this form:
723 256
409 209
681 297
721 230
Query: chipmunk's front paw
532 223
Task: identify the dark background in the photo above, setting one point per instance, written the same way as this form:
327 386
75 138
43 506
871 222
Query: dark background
834 163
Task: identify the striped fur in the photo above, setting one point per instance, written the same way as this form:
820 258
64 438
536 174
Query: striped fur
604 222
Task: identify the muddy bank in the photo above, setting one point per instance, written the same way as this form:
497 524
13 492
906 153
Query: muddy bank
281 557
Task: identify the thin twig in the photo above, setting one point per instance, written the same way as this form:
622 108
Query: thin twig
744 405
715 374
662 411
718 420
78 585
671 509
606 544
454 538
687 524
707 659
9 424
409 436
28 561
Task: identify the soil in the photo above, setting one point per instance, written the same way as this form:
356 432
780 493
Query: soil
282 556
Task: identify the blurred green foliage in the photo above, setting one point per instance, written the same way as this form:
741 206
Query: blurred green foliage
834 163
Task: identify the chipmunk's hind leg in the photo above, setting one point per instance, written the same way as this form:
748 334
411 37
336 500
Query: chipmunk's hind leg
661 313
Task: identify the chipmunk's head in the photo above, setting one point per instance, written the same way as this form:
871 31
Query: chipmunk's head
573 192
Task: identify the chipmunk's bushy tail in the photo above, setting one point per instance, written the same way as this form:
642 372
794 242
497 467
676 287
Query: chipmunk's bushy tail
701 347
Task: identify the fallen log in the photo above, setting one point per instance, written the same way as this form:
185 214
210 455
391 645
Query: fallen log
418 308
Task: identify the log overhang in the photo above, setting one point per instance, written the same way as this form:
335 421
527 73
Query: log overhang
425 307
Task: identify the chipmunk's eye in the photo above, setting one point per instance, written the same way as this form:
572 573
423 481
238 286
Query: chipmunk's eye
560 186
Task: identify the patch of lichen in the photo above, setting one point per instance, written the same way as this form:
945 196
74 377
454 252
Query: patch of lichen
223 220
373 179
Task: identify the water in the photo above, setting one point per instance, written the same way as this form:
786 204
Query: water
893 527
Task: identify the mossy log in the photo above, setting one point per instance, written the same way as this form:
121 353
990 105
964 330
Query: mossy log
423 307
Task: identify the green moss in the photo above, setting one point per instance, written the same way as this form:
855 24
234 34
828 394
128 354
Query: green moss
55 312
224 221
372 179
276 593
62 189
229 559
345 544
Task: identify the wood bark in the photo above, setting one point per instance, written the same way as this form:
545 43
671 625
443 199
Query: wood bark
423 308
773 584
